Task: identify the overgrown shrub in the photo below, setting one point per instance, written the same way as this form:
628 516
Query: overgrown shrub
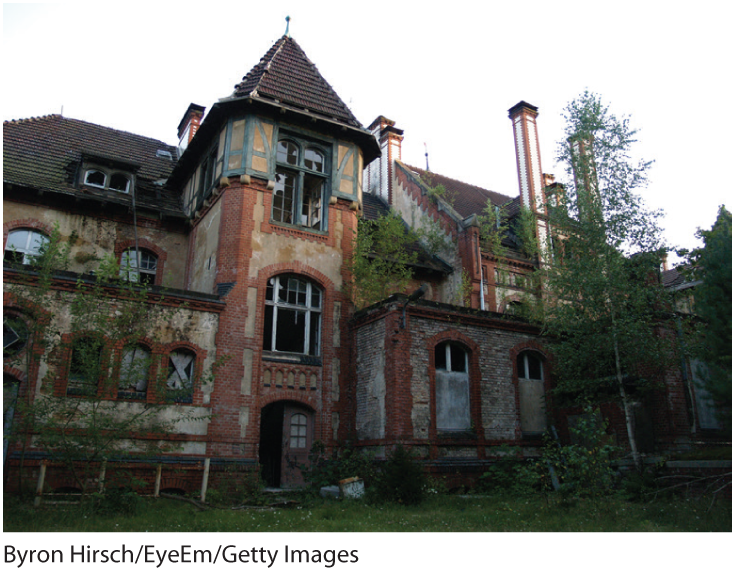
401 480
584 468
117 501
513 474
344 462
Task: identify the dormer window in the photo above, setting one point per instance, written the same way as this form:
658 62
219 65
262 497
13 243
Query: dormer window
108 180
300 193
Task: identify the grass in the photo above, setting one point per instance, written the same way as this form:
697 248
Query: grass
437 514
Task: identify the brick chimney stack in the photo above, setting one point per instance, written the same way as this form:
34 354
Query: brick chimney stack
378 177
528 157
189 125
531 178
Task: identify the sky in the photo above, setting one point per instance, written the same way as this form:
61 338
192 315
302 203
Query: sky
446 73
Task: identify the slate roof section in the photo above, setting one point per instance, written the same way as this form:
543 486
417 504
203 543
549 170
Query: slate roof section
466 199
286 76
47 153
373 207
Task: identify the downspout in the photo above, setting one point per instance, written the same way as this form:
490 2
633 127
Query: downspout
482 277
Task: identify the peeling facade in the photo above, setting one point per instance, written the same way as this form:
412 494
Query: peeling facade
246 228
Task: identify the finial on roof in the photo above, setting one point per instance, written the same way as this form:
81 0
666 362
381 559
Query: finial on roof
426 153
288 21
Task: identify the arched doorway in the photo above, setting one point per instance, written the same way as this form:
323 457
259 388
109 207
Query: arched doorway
286 435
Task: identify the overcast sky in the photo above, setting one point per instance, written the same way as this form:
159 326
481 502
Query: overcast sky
447 76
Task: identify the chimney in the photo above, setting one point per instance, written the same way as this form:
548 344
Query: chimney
189 125
378 177
528 157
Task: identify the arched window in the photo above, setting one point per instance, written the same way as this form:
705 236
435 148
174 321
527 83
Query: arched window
99 178
301 184
180 381
23 245
293 314
134 371
530 367
452 393
133 271
85 367
95 178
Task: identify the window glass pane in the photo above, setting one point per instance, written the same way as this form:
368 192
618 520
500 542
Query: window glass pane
84 369
440 357
119 182
287 152
268 329
95 178
521 364
311 206
290 330
314 333
459 360
314 160
18 240
283 194
316 298
534 367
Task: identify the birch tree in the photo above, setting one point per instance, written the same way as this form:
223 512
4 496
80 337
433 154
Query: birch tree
606 307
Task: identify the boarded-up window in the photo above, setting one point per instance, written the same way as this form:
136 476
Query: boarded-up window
452 388
531 393
180 380
134 368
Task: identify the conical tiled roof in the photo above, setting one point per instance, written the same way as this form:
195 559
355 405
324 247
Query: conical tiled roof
286 76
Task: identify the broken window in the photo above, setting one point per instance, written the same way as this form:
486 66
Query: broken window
180 381
108 179
23 245
301 184
531 393
452 394
134 368
85 367
133 271
292 316
15 334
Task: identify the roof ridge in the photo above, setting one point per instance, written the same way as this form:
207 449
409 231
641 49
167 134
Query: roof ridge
36 118
456 180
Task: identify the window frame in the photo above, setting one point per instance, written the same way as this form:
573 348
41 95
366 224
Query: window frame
303 175
126 269
72 378
527 413
109 174
312 347
28 250
446 374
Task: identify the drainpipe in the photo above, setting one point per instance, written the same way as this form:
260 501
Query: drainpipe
482 279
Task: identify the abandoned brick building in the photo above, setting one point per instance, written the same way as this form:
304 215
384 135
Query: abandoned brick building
247 226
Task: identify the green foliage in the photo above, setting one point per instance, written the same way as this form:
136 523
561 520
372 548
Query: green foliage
236 486
605 302
344 462
117 502
494 227
584 468
525 229
401 480
381 261
712 339
513 475
432 237
86 426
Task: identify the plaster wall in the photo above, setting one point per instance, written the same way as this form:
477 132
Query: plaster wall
97 236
